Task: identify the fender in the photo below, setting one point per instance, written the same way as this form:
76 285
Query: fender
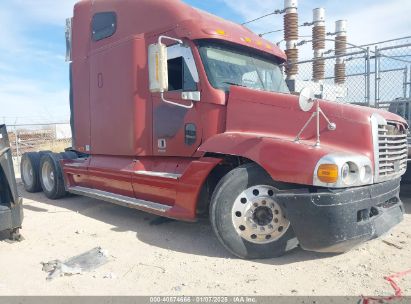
285 160
189 187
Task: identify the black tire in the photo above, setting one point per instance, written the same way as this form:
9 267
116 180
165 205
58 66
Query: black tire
226 193
29 170
69 155
51 176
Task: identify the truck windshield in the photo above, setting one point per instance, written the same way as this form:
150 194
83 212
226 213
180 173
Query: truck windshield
226 66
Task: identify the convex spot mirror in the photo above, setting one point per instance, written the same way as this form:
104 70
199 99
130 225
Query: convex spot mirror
306 99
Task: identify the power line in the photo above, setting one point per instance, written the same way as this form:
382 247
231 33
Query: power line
276 12
277 31
264 16
271 32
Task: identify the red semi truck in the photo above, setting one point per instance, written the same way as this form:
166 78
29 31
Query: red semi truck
183 114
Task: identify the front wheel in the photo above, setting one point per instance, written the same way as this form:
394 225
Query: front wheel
246 217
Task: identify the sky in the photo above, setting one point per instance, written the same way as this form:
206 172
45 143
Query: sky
34 76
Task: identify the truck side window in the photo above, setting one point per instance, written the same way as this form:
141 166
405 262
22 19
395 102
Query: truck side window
175 74
179 76
104 25
182 71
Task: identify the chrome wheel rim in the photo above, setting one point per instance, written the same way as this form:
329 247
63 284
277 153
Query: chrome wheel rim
257 217
47 175
28 173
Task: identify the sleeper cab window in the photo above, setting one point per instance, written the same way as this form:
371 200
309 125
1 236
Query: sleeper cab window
104 25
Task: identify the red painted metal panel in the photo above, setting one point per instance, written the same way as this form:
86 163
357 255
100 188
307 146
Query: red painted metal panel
111 174
120 115
154 188
76 172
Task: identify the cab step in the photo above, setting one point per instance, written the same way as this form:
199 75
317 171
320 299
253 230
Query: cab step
120 199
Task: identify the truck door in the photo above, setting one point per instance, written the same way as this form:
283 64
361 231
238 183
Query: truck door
177 131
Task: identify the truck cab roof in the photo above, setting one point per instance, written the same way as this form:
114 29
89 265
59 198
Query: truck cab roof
154 17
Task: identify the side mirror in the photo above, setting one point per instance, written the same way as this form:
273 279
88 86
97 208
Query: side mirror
158 69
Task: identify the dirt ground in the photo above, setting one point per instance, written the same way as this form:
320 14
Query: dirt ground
176 258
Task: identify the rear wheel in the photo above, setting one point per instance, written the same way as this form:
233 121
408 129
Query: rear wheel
246 217
29 169
51 176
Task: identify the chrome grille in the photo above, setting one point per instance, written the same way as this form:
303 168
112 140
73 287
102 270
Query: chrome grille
392 150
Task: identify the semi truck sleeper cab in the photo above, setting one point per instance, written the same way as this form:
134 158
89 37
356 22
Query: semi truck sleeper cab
183 114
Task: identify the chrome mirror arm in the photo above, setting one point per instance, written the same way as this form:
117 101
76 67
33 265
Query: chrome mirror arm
317 114
161 38
175 103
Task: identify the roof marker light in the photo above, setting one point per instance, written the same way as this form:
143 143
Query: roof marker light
220 32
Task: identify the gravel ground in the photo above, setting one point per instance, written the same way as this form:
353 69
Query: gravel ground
176 258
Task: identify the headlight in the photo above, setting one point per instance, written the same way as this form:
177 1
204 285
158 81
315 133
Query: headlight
366 174
349 173
340 170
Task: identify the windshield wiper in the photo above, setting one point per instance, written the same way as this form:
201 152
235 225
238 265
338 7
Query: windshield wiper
235 84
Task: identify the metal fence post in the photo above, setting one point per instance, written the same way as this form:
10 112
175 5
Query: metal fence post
409 85
368 77
405 82
377 77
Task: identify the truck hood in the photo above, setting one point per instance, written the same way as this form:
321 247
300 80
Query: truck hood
277 115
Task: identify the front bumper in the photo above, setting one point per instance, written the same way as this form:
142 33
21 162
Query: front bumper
338 220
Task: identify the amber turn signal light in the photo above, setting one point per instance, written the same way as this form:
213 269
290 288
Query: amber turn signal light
328 173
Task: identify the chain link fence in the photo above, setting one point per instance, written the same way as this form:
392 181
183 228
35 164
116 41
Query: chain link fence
38 137
377 75
354 90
